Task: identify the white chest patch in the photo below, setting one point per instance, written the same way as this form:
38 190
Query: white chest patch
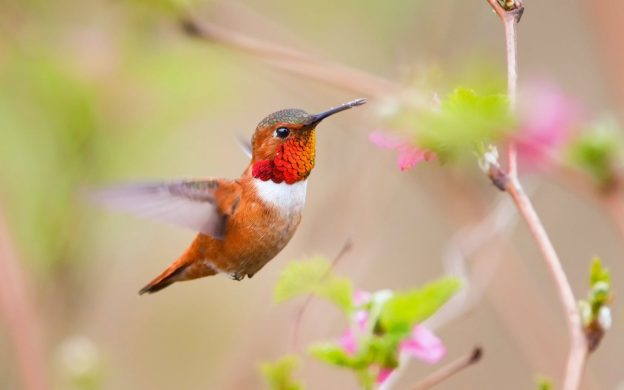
286 197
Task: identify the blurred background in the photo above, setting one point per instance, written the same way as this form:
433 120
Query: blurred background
97 92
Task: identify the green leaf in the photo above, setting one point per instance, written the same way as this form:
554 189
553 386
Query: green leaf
464 121
301 277
335 355
366 378
597 153
404 310
337 290
384 349
314 277
600 287
279 375
544 383
598 273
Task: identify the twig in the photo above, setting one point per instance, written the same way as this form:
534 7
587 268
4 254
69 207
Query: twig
578 345
493 228
510 15
449 370
348 245
19 314
512 294
511 23
295 62
610 199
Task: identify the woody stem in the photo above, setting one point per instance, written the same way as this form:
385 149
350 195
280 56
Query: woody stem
578 345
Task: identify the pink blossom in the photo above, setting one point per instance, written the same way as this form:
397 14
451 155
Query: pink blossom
383 374
361 298
361 319
408 154
349 342
547 117
423 344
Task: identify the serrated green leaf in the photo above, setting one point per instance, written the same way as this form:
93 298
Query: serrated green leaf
464 121
404 310
314 277
338 291
279 375
301 277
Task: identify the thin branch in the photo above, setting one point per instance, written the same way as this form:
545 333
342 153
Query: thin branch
20 316
578 345
492 229
449 370
611 199
295 62
511 22
348 245
510 15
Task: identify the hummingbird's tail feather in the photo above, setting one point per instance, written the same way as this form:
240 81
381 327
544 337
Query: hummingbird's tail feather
165 279
191 265
152 288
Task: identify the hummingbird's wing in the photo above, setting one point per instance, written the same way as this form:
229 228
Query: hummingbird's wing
194 204
245 145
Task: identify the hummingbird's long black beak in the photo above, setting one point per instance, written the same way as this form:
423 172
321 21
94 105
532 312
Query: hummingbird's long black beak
316 118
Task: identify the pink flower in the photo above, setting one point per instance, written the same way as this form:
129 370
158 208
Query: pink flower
408 154
361 298
361 319
349 342
547 117
383 374
423 344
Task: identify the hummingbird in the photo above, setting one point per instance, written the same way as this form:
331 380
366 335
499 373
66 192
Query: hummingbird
241 224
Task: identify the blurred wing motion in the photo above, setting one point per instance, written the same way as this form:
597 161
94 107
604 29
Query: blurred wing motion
192 203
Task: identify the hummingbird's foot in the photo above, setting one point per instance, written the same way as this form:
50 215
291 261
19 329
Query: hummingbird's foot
236 276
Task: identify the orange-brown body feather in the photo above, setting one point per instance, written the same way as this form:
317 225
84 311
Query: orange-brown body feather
256 231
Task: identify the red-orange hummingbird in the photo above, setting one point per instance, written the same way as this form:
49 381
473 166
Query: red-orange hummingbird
242 224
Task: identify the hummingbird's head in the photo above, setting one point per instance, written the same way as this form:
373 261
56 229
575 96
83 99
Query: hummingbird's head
284 143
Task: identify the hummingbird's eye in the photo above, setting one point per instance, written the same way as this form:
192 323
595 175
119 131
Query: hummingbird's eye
282 132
